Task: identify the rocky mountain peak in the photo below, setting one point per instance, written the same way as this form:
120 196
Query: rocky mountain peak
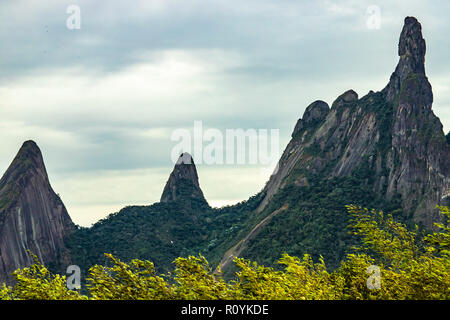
411 50
348 96
185 158
411 47
32 215
30 148
27 161
393 135
315 112
183 184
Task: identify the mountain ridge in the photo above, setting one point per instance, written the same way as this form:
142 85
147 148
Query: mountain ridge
356 151
385 150
363 122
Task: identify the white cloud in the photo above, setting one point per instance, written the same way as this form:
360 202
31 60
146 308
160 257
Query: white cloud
164 84
441 100
341 8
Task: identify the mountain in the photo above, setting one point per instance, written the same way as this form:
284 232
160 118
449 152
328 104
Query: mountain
385 150
176 226
181 224
394 133
32 216
183 185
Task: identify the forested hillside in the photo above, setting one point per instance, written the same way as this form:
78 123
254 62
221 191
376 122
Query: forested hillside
388 262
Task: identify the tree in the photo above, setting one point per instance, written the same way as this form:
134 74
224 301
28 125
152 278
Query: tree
135 281
410 265
37 283
408 270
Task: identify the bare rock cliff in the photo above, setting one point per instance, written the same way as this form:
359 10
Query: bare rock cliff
32 216
183 185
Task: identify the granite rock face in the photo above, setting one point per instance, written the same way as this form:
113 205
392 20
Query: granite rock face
393 132
32 216
411 49
183 185
315 112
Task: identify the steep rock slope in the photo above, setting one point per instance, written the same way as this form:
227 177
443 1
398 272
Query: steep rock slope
393 132
32 216
183 185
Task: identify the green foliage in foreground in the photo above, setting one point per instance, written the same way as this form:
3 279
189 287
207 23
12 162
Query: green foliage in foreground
410 267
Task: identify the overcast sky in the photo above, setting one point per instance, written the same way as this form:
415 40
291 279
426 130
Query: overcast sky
102 101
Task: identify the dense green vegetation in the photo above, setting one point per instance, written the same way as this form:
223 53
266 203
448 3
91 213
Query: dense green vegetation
389 262
314 222
161 233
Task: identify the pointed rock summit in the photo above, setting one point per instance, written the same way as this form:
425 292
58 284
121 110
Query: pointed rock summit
411 47
314 113
27 161
32 216
183 185
411 50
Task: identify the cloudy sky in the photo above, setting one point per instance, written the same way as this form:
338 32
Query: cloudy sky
102 101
